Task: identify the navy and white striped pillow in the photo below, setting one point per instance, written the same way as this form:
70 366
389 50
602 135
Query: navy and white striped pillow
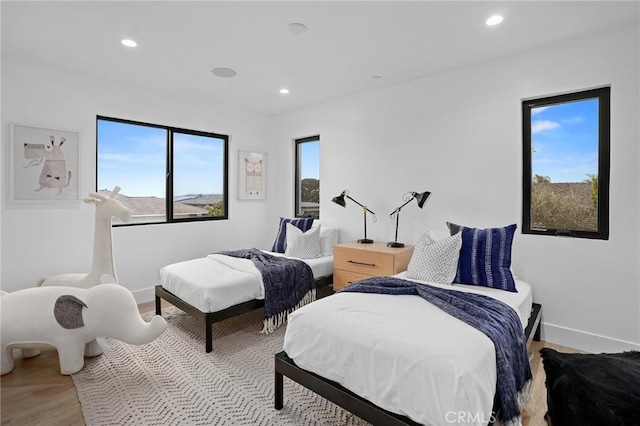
485 256
280 244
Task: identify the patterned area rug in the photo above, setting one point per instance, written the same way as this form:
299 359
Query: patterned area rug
172 381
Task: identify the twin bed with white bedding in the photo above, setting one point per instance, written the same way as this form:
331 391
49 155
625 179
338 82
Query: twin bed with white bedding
217 282
217 287
402 353
399 359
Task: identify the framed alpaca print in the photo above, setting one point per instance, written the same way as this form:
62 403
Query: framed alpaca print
252 175
43 164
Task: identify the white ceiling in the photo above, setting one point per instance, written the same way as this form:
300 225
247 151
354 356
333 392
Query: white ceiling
346 43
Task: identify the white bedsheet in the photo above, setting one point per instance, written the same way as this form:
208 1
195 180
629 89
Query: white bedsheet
216 282
403 353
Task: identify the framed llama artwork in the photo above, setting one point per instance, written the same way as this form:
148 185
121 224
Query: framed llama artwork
252 176
43 164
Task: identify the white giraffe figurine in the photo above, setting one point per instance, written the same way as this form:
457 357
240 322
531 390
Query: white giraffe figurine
103 269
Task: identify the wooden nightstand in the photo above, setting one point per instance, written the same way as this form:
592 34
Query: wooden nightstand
354 261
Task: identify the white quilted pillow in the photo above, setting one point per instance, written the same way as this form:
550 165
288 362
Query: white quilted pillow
433 260
303 245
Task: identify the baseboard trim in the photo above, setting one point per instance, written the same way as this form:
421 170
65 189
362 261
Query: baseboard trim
583 340
145 295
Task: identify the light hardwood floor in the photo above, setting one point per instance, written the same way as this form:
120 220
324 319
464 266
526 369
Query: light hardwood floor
35 393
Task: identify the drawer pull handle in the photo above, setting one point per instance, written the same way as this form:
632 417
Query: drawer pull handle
361 263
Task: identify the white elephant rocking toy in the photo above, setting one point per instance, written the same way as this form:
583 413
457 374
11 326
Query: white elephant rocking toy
70 317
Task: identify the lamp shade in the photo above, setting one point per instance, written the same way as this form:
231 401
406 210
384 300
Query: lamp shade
340 199
422 197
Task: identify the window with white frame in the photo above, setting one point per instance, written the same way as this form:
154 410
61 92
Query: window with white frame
167 174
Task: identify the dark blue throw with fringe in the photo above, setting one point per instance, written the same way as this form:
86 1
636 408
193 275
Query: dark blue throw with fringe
288 284
494 318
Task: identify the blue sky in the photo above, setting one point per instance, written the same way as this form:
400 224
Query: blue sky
310 154
134 158
565 140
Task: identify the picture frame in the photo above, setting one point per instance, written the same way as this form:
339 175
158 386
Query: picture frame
252 175
44 164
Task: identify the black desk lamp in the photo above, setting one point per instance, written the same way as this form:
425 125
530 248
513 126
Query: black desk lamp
420 198
340 200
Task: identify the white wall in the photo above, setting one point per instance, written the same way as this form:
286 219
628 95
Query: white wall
458 135
46 239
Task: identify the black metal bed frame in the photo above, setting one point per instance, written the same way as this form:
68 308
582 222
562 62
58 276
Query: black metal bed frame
339 395
208 318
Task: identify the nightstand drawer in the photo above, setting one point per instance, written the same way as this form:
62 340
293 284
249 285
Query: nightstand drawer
363 261
343 278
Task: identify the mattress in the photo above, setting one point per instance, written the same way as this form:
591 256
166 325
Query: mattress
403 353
217 282
320 266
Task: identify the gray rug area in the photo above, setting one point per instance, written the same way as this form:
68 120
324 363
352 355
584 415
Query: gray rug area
172 381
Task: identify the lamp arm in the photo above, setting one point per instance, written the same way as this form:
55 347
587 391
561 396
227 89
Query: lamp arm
407 202
397 210
366 209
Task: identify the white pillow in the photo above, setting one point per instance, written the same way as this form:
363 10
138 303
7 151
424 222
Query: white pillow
433 260
328 238
303 245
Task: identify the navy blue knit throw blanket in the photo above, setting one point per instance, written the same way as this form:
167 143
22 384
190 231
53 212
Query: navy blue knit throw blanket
288 284
494 318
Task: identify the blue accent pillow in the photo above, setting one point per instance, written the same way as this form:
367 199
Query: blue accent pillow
485 256
280 244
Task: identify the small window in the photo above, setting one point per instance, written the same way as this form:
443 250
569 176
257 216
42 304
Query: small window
307 184
166 174
566 164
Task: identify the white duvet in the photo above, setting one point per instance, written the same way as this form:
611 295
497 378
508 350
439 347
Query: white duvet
403 353
216 282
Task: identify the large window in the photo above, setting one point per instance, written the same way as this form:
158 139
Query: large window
566 164
166 174
307 186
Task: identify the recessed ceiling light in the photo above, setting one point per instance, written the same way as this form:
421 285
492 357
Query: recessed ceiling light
284 91
494 20
128 42
224 72
297 28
